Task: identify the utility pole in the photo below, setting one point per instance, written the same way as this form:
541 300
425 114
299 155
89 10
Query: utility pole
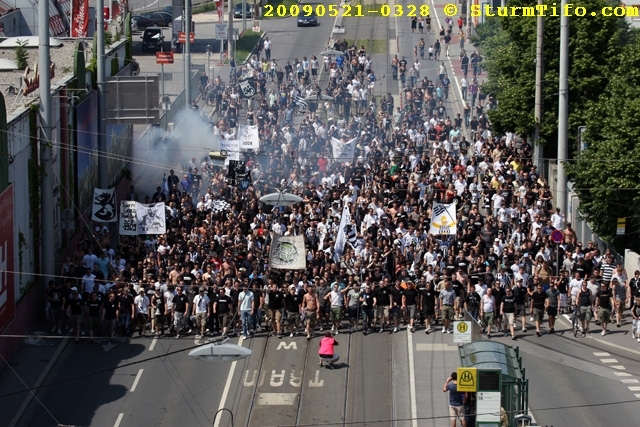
537 148
563 111
102 100
230 41
187 52
46 152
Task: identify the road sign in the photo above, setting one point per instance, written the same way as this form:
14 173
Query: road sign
468 379
557 236
488 406
621 227
221 31
164 57
182 38
461 332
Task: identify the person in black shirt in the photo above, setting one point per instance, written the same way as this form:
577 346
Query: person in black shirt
276 304
409 301
75 311
366 302
258 301
222 309
94 314
428 298
396 304
292 304
126 312
458 288
381 302
180 306
585 305
603 306
538 299
110 315
509 308
159 312
472 302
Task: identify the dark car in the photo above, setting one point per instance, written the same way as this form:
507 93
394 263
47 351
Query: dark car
152 39
159 19
140 23
248 10
304 20
167 9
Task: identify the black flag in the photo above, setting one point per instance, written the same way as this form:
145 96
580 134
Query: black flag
248 87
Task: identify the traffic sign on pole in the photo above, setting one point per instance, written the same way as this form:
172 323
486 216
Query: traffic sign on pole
182 38
467 379
557 236
164 57
461 332
221 31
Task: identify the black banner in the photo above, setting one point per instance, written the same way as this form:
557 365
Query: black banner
248 87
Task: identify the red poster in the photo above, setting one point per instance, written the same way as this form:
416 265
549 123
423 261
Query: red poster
7 290
80 19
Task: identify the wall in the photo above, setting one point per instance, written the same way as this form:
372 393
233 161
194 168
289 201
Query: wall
631 262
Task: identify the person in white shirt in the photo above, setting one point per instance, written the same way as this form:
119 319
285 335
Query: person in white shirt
574 288
201 309
557 220
487 311
141 303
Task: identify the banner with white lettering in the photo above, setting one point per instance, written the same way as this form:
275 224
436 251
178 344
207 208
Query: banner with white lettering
104 205
151 218
248 137
287 252
128 218
80 18
232 147
343 151
443 219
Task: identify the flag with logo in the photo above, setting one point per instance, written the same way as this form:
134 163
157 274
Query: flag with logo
443 219
104 205
232 147
287 252
343 151
301 103
248 137
248 87
341 239
151 218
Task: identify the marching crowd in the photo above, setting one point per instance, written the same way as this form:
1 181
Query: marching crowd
210 273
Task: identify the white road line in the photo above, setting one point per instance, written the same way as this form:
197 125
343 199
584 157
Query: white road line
227 386
637 395
622 374
601 354
634 388
119 419
609 361
453 74
620 367
566 316
136 380
412 382
630 381
153 344
616 346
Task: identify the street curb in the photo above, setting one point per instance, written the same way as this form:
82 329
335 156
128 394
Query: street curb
45 372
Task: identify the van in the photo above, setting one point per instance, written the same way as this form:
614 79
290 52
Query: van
152 39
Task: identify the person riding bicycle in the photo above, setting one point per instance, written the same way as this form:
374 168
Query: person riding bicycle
585 301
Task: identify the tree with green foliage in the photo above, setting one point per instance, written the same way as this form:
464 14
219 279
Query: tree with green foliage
606 175
509 46
22 57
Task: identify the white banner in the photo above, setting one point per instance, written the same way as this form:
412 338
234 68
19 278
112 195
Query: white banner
341 239
232 147
343 151
128 218
104 205
151 218
443 219
287 253
248 137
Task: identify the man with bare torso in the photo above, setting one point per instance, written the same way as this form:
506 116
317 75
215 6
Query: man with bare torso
311 307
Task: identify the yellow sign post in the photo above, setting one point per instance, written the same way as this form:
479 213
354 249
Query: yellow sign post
468 379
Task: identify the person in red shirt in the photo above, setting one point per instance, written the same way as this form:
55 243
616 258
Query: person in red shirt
326 352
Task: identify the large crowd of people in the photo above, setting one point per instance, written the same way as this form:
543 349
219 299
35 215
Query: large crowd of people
210 274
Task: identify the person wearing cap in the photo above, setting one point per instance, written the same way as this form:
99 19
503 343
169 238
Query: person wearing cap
201 309
75 312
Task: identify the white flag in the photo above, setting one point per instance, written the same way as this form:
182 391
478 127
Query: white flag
341 240
287 252
104 205
248 137
128 218
443 219
343 151
232 147
151 218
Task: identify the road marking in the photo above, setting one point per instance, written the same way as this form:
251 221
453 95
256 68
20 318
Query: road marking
276 399
601 354
153 344
135 381
634 388
444 52
119 419
227 386
622 374
609 361
630 381
436 347
317 382
412 383
620 367
637 395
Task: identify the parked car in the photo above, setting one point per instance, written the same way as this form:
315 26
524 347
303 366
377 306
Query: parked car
140 23
248 10
167 9
159 19
152 39
304 20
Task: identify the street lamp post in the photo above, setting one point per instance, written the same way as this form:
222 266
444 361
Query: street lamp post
187 52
